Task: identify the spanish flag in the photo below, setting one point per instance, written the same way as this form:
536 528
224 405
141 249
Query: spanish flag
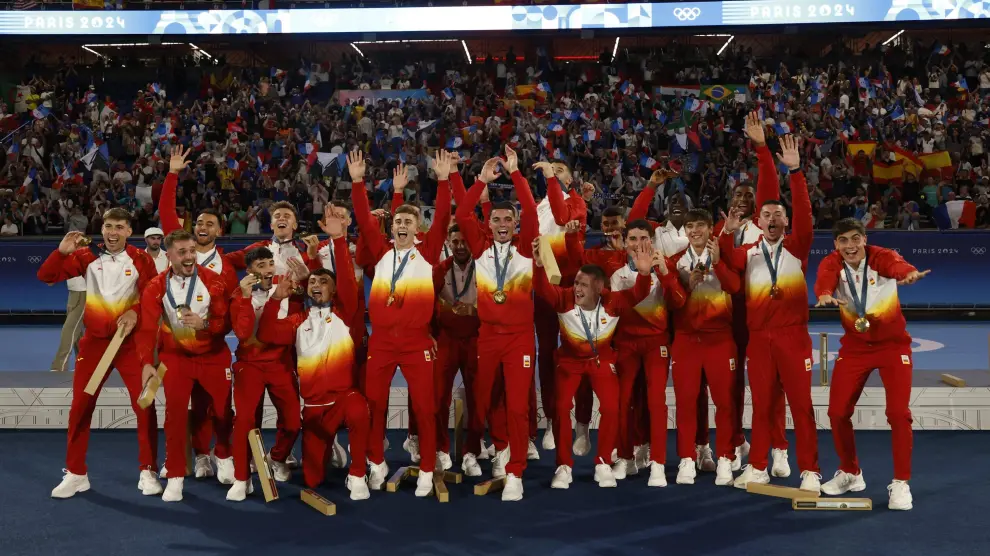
888 173
718 93
937 165
868 147
912 164
526 92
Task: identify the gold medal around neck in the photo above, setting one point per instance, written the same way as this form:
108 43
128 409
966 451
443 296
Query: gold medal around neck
775 292
391 300
499 297
180 309
862 325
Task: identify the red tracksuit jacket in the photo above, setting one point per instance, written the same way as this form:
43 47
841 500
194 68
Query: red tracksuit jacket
447 276
708 308
554 212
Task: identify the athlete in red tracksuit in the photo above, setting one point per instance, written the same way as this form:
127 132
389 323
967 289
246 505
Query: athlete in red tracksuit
768 189
777 309
325 354
401 308
554 212
261 367
862 280
193 349
588 316
115 279
704 352
504 280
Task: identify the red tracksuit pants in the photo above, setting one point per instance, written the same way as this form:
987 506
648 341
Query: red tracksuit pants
605 384
784 355
698 359
457 354
320 424
213 373
514 354
250 382
83 405
642 369
548 338
414 354
852 368
778 436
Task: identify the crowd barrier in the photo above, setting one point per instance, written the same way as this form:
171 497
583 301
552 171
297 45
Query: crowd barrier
959 261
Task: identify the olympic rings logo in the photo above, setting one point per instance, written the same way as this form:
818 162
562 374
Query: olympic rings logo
34 259
978 250
687 14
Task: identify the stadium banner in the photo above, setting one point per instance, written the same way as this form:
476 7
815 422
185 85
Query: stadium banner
486 18
350 96
959 261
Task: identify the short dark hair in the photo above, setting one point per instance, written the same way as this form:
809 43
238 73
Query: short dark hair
118 213
639 224
408 209
504 205
343 204
698 215
212 212
746 183
593 270
847 225
257 254
177 236
774 202
324 272
454 228
283 205
612 212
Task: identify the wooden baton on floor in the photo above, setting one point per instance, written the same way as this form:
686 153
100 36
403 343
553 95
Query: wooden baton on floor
317 502
151 389
832 504
823 357
549 262
104 365
268 486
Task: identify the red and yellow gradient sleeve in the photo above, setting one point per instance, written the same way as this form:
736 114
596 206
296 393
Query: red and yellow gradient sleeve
166 204
275 331
474 235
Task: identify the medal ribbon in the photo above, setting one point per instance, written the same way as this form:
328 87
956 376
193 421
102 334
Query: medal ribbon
467 281
210 258
708 263
501 271
772 265
189 294
397 270
859 301
592 340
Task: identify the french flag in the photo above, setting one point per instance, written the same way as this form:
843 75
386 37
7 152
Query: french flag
40 113
626 88
309 151
544 86
955 214
454 142
782 128
941 49
557 154
155 88
692 105
649 162
555 127
961 84
592 135
448 94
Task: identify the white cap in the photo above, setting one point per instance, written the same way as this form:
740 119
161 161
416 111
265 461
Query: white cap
154 232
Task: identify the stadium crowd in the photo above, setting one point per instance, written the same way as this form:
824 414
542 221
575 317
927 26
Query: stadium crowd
893 135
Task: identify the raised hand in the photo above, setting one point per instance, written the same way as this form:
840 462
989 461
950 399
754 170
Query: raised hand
284 288
332 225
572 227
490 172
544 168
732 222
714 251
660 262
400 178
754 128
298 269
177 160
442 164
247 284
356 165
71 242
644 259
790 155
511 160
312 245
536 253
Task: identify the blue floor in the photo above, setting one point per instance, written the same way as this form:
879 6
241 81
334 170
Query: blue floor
949 487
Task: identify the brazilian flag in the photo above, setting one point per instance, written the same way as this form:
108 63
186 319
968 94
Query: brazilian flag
718 93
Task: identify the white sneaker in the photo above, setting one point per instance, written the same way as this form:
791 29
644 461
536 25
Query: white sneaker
70 485
443 461
240 490
604 476
900 496
704 458
280 471
225 470
469 465
358 487
163 474
531 452
148 483
811 482
491 450
513 489
173 490
641 454
623 468
723 472
293 462
411 445
203 467
338 456
658 477
686 472
751 475
483 453
548 442
737 463
562 478
743 449
377 475
843 482
498 463
582 439
780 467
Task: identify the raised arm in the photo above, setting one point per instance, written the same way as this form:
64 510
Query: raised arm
347 286
802 222
275 331
767 182
474 235
734 256
372 235
619 301
68 261
437 235
641 207
555 194
674 294
166 203
529 223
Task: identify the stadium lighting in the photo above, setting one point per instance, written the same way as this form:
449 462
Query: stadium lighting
891 39
205 53
466 51
404 41
354 46
615 48
725 45
716 35
88 49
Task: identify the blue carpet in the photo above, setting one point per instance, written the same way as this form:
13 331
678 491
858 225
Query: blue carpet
113 518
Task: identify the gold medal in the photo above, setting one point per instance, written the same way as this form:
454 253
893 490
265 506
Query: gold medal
862 325
775 292
180 309
499 297
84 241
391 300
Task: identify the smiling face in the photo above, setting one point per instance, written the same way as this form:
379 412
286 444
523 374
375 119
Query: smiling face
852 246
612 225
404 228
321 288
743 200
284 223
587 291
698 233
637 238
206 230
459 247
115 234
773 221
182 257
503 224
675 211
265 268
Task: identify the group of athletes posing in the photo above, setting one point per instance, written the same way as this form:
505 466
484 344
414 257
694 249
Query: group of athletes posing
702 302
